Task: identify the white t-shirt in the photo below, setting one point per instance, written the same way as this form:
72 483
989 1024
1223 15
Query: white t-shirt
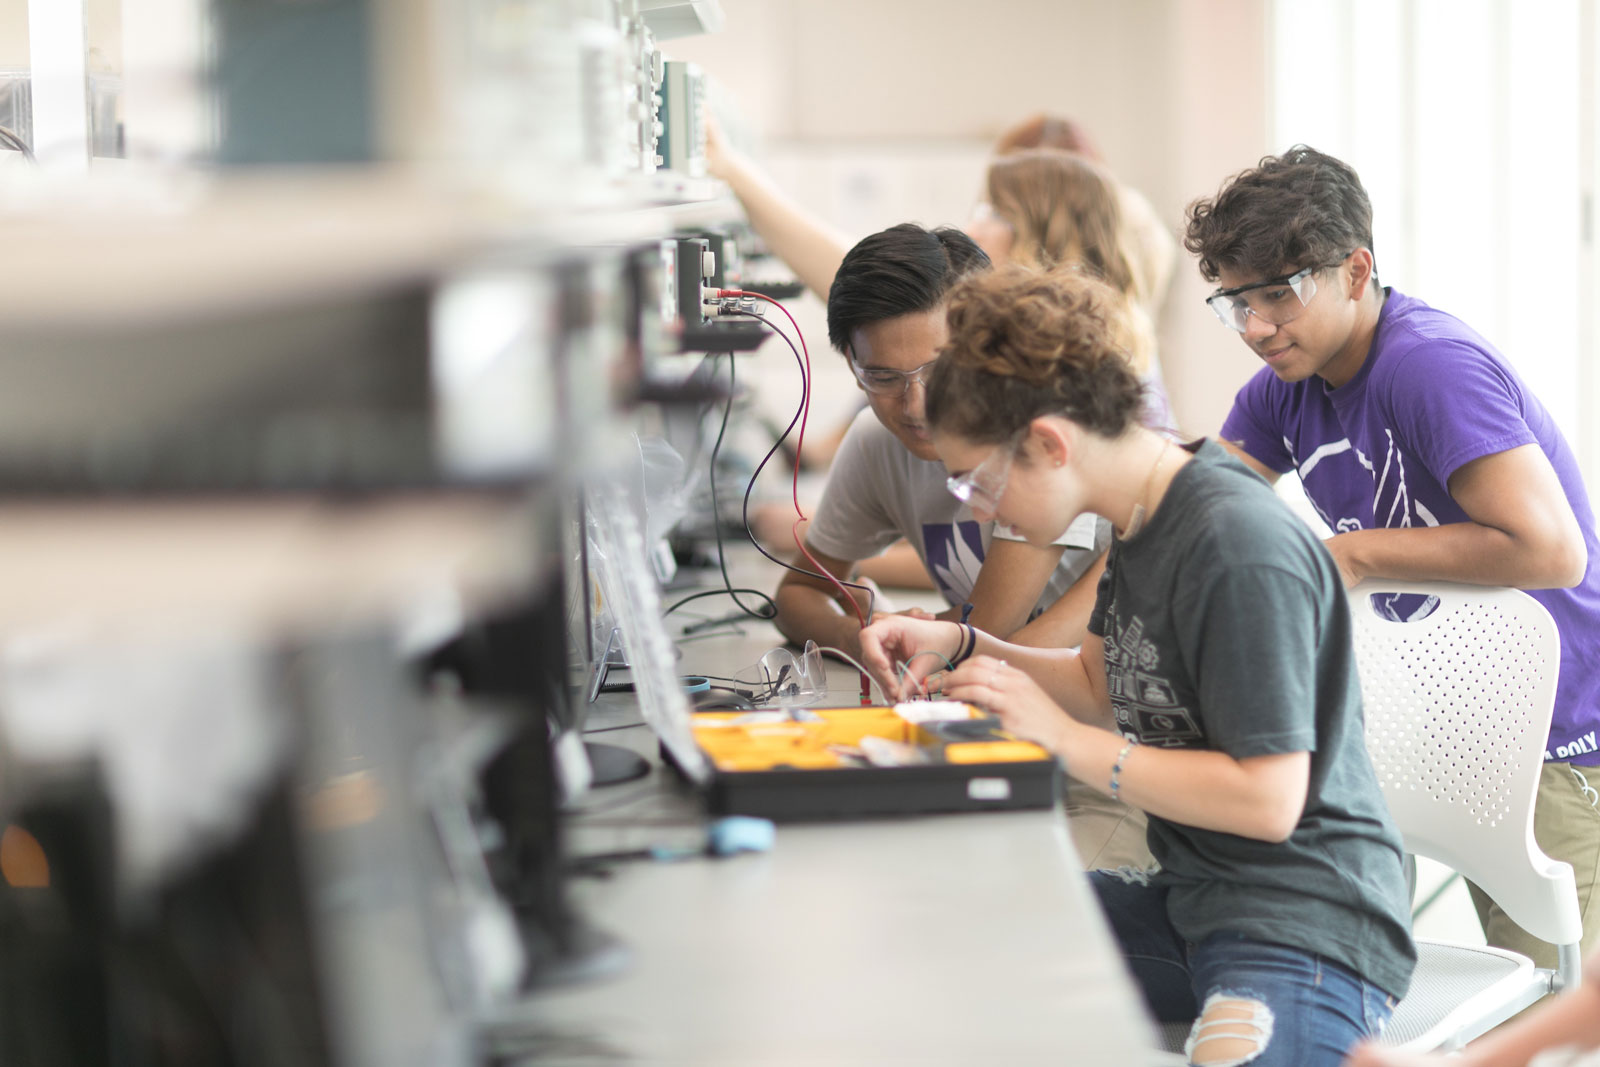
878 492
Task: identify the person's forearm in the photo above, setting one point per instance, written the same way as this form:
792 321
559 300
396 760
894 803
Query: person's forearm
1005 619
812 248
1065 623
1195 787
1013 576
806 613
1459 552
900 567
1060 626
1571 1018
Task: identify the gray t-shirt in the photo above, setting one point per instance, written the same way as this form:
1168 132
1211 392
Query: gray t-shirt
878 492
1226 627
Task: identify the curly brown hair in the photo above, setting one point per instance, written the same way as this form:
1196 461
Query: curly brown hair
1301 209
1025 343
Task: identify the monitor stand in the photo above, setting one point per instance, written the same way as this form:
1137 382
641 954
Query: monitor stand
611 764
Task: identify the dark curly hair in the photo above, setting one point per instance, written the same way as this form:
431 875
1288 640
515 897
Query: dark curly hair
1301 209
1025 343
899 271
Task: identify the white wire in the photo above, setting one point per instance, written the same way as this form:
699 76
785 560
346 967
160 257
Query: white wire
848 658
900 668
906 666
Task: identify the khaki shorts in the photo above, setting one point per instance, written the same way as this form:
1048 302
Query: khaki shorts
1566 823
1107 833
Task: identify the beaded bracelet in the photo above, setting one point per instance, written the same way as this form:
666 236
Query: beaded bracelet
1116 770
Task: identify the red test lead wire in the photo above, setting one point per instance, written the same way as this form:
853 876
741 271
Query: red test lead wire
805 411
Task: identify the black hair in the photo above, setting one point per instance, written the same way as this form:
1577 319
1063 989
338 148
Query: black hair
899 271
1301 209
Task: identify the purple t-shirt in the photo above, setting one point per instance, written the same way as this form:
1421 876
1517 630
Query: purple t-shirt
1379 450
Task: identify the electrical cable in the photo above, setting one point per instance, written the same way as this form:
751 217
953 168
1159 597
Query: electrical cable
712 623
801 416
800 443
805 396
11 138
609 729
820 572
706 635
906 666
848 658
716 526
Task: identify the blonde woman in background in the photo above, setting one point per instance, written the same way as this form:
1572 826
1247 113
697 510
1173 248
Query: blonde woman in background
1048 200
1152 246
813 248
1048 207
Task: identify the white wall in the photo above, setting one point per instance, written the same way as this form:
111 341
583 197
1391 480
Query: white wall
104 21
105 33
873 111
13 34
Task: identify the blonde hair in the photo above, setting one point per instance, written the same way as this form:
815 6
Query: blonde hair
1065 209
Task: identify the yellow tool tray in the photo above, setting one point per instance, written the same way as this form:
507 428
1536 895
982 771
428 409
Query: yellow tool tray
768 764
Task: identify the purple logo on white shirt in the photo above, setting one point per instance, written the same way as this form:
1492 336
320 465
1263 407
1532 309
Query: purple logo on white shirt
954 553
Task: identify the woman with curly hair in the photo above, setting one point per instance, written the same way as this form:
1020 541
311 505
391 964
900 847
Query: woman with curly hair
1217 690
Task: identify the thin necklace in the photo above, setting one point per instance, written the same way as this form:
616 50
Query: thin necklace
1136 520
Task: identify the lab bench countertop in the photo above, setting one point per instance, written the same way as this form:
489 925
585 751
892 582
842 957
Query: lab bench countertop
938 939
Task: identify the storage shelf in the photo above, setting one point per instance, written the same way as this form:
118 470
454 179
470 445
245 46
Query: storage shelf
221 244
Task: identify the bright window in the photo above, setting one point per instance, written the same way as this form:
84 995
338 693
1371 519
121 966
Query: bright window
1463 118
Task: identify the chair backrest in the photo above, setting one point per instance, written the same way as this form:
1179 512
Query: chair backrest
1458 707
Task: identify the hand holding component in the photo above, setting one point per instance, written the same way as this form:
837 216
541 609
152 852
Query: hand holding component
898 639
1023 708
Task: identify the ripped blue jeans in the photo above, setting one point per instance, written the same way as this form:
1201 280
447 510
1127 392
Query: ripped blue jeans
1261 1004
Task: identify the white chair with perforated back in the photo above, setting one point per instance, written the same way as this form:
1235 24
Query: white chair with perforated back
1458 707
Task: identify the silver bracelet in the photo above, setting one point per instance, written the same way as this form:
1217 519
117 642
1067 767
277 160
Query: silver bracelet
1116 770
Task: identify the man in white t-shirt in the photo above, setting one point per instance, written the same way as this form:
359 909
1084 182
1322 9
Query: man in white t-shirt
886 315
880 491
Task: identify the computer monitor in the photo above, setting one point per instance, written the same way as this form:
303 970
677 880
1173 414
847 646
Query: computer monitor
627 585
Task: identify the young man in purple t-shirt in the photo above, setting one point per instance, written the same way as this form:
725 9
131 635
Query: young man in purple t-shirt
1417 443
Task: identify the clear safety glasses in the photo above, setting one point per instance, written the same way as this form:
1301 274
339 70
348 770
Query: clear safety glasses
1277 301
881 381
982 487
